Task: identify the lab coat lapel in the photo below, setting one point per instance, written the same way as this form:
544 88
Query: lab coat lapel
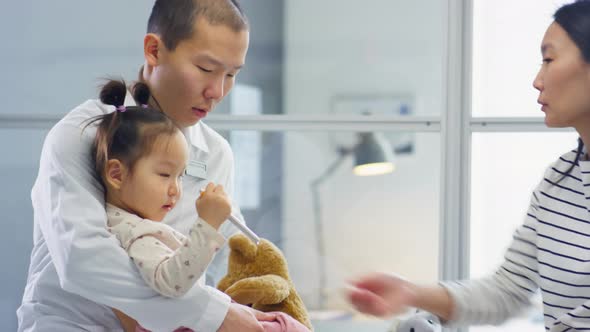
129 101
199 153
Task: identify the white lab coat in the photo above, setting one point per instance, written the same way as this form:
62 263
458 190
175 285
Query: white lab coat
78 270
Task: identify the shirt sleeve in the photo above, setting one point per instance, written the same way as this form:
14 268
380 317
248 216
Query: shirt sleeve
505 294
173 272
89 261
577 319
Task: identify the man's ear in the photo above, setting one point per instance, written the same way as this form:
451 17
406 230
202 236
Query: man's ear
115 173
152 48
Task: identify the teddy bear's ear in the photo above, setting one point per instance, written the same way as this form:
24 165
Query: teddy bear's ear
241 244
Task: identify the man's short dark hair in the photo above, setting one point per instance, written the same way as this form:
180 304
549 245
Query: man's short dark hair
174 20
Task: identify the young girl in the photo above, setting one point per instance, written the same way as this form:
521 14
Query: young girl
550 251
140 157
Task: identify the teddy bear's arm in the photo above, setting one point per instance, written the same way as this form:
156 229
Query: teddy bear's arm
224 283
267 289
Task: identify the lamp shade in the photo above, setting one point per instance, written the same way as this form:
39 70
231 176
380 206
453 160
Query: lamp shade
373 155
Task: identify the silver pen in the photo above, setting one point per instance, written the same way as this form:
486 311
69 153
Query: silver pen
241 226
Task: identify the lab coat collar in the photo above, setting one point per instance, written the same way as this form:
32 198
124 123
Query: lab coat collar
194 133
196 137
129 100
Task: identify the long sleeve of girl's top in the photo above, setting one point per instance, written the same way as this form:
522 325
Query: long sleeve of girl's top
494 299
172 272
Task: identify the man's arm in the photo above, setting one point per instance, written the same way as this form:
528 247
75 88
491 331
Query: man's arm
69 207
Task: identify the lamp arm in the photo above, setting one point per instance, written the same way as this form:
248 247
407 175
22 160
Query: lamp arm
317 215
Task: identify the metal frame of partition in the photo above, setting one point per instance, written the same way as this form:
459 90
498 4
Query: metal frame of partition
324 123
456 145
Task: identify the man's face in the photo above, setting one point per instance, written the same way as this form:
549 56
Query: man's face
189 81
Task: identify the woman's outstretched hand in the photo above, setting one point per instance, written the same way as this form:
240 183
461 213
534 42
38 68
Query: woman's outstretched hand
385 294
381 294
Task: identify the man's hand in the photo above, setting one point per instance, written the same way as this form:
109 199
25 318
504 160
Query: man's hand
243 319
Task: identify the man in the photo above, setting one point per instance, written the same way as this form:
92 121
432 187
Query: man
193 51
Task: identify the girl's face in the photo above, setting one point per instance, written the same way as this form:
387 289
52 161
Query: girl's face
563 81
154 186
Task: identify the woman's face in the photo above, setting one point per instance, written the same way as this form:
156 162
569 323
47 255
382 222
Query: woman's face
563 81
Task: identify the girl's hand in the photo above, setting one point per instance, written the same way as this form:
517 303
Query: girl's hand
213 205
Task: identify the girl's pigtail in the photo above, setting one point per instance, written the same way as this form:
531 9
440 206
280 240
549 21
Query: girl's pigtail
141 93
112 93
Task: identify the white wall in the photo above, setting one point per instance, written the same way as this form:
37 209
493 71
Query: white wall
58 50
388 222
507 54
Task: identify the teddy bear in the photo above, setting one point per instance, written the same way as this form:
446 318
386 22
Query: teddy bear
258 276
421 321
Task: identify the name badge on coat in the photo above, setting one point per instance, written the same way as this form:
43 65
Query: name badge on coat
197 169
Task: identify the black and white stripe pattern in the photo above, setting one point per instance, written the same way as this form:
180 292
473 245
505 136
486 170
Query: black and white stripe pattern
550 252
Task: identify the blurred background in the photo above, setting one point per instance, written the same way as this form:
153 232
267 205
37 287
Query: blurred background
440 91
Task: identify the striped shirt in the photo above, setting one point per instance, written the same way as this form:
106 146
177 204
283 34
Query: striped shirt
550 252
